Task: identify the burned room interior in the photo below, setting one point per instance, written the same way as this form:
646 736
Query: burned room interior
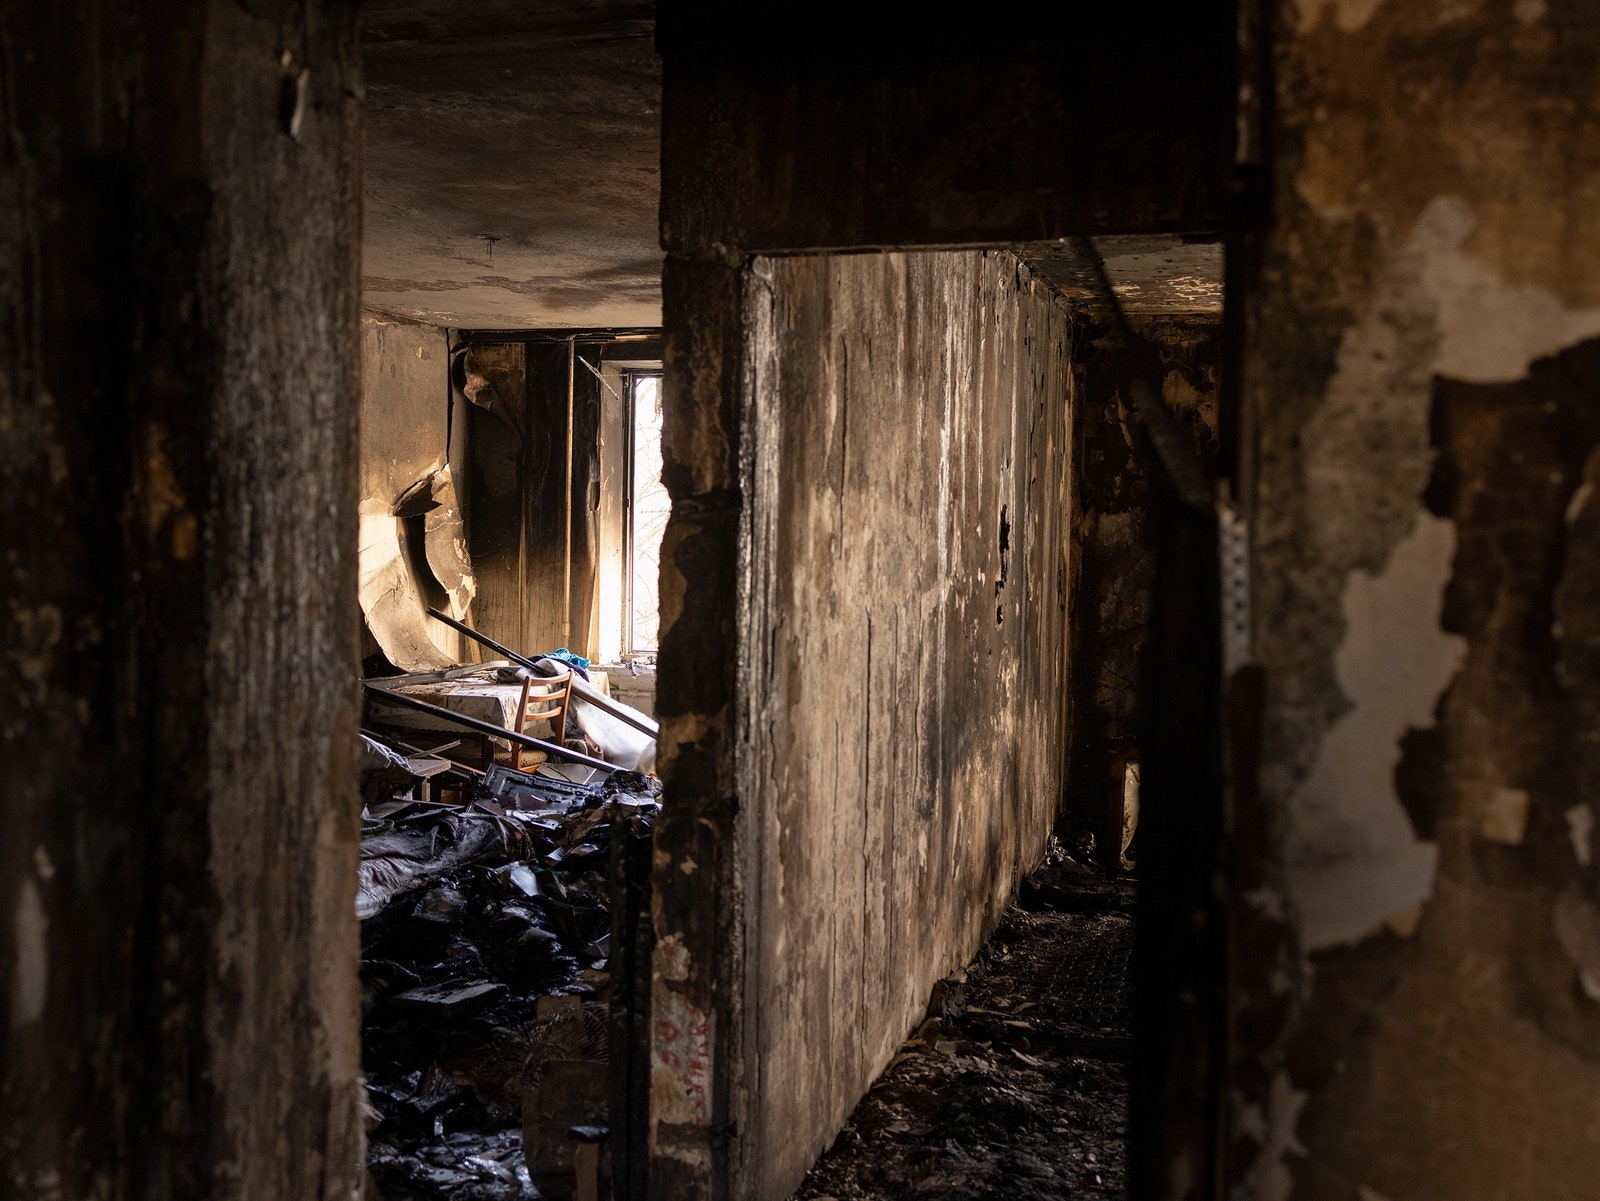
613 600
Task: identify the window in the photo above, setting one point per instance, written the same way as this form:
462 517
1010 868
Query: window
648 507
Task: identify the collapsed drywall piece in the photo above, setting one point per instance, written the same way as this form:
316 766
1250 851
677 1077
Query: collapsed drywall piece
446 546
392 598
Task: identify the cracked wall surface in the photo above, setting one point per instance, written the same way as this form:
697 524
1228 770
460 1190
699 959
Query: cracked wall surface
1420 373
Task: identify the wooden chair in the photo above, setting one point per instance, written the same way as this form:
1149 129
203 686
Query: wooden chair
542 697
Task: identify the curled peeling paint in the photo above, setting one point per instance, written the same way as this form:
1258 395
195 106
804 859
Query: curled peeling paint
1354 859
30 982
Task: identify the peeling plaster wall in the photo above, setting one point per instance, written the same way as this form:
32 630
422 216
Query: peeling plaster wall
905 680
179 393
1421 371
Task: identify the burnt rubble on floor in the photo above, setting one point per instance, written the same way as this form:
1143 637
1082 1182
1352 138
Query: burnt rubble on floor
486 979
1016 1082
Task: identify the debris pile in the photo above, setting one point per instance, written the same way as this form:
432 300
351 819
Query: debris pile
486 932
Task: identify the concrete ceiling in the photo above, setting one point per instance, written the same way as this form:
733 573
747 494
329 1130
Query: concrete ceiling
512 163
512 174
1154 274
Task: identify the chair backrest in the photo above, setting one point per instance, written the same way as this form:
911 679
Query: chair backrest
543 697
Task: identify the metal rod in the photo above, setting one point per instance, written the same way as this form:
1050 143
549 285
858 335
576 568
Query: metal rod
489 728
566 592
483 639
605 704
391 741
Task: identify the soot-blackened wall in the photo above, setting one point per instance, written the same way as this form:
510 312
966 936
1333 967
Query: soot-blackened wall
179 394
904 657
1420 377
1116 566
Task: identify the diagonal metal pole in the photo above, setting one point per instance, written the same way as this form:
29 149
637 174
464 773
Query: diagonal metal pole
644 726
389 697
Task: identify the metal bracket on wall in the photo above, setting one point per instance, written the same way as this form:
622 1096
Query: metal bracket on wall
1233 558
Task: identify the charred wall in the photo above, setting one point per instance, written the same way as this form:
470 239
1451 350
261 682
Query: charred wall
901 664
179 393
495 414
908 133
516 416
1116 564
865 127
1421 371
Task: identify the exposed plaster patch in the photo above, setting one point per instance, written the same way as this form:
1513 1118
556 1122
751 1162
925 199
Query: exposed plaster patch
672 959
30 980
1489 330
1278 1139
1505 817
1580 825
681 1043
1354 859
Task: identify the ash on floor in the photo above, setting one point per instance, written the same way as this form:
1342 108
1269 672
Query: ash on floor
1016 1085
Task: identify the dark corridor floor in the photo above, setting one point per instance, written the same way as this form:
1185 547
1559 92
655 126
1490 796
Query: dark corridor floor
1017 1085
